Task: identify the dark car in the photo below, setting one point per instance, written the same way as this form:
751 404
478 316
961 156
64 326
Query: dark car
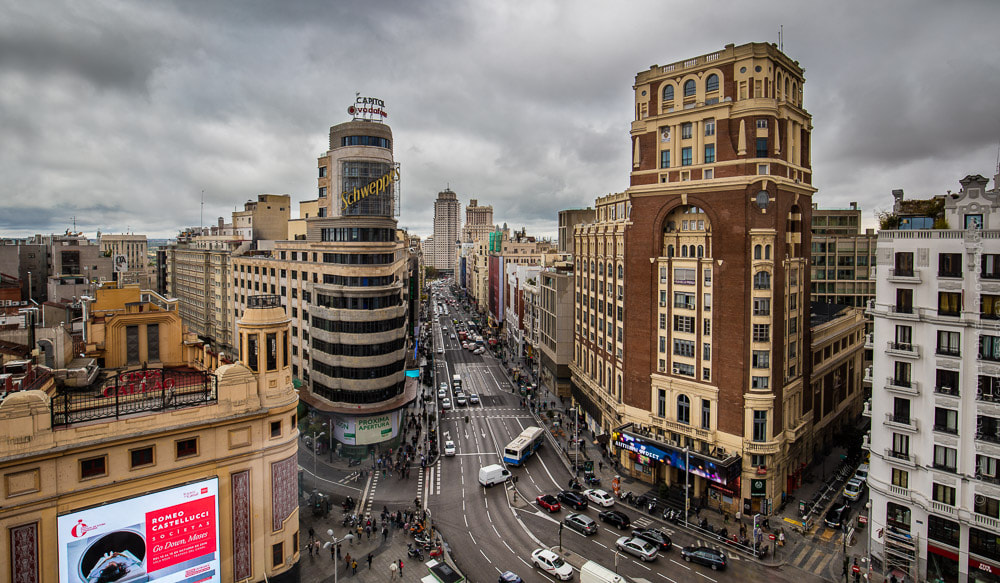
837 516
657 537
510 577
548 502
614 517
572 499
705 556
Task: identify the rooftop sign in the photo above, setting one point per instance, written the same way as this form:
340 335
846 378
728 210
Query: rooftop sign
367 108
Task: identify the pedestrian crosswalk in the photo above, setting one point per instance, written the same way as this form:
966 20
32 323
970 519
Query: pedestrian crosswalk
812 558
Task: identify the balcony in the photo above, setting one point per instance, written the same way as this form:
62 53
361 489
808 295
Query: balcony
904 275
682 428
988 437
870 340
899 492
907 387
947 391
904 311
797 433
942 508
869 377
866 441
900 456
868 408
905 349
901 422
946 351
763 447
987 478
946 429
987 521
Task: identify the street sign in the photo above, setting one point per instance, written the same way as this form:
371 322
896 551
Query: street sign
772 537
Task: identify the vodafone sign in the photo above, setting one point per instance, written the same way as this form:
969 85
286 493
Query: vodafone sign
367 108
168 536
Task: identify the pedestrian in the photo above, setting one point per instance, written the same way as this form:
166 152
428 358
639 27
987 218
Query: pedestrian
385 533
600 466
316 544
368 532
334 556
725 517
392 571
354 567
370 557
401 568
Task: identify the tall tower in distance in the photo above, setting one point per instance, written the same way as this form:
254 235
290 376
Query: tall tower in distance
478 222
702 351
447 218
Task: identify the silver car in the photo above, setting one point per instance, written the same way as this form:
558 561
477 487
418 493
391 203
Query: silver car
638 547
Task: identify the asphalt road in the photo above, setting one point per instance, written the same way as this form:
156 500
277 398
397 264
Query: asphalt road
491 529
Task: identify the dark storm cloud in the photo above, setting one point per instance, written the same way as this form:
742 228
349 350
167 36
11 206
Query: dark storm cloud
128 114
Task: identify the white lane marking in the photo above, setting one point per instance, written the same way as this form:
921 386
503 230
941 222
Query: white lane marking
488 517
508 546
641 565
496 531
466 521
707 577
525 563
597 543
473 538
680 564
330 482
484 556
667 578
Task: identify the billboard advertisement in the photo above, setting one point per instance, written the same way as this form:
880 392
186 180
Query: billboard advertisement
168 536
366 430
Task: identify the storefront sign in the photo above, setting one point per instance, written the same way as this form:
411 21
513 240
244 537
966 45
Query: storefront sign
984 567
758 487
367 108
699 465
168 536
377 186
366 430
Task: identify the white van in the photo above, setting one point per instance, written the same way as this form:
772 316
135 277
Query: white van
494 474
592 572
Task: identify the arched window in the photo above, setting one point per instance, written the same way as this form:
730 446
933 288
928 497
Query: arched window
610 272
756 252
689 88
592 267
684 251
600 269
691 250
767 252
701 251
762 280
670 250
683 409
621 272
712 83
668 93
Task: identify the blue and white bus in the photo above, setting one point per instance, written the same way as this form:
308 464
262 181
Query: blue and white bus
523 446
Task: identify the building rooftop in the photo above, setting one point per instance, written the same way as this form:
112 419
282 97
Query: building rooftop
821 313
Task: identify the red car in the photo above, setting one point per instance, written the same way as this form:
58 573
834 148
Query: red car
549 502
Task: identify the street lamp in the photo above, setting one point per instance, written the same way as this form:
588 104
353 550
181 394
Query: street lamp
868 541
347 537
315 445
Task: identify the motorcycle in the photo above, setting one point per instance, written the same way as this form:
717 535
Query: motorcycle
638 501
422 539
414 553
651 506
354 462
438 552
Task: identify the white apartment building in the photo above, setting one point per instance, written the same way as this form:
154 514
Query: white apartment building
447 221
935 437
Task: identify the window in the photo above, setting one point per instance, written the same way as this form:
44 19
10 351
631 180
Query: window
684 369
686 156
94 467
707 174
686 130
900 445
946 382
706 414
949 265
277 554
668 93
276 429
706 352
943 530
187 447
710 127
683 409
683 324
684 300
761 359
986 469
707 303
709 153
900 478
760 426
663 321
989 348
762 147
945 420
322 171
141 457
685 276
793 325
988 389
901 376
760 382
689 88
661 402
665 159
761 332
684 347
904 264
944 494
663 343
762 306
989 307
945 458
707 327
152 342
949 304
132 344
762 170
990 266
762 280
904 301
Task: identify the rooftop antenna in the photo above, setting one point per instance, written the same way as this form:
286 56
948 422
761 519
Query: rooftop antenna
781 37
201 223
74 223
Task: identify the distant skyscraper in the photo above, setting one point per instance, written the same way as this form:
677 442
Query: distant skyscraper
447 217
478 222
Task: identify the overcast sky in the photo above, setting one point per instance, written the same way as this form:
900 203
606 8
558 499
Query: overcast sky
121 114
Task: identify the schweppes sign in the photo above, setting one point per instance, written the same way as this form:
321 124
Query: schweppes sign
377 186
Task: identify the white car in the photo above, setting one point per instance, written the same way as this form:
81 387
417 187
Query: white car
854 489
552 564
446 404
600 497
449 448
862 473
